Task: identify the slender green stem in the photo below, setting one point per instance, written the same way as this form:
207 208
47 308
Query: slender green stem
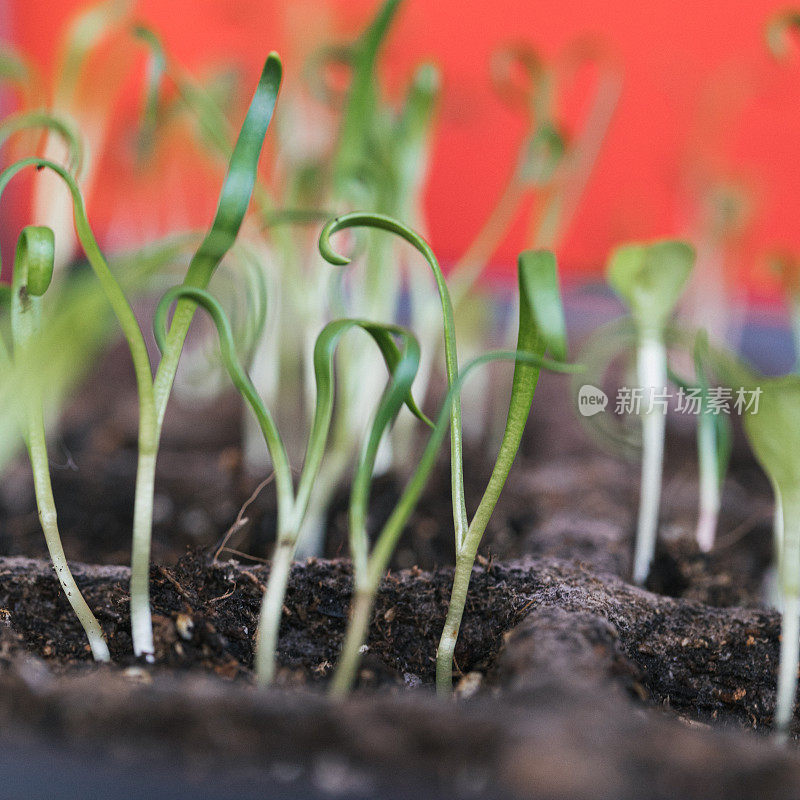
526 376
383 222
233 203
24 120
272 437
37 451
33 271
452 624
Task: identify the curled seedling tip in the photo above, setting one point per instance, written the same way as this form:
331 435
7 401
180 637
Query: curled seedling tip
779 33
517 74
326 249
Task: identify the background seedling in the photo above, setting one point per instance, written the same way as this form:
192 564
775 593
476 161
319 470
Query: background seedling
714 444
650 278
774 436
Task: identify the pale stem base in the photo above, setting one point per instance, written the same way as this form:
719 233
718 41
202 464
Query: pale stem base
452 625
271 612
787 671
652 373
709 486
357 631
49 521
141 620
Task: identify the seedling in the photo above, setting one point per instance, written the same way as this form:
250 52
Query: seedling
32 274
551 165
650 278
774 436
772 432
292 506
541 330
714 443
154 392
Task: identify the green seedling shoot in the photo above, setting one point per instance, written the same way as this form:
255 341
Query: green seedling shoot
154 392
292 505
552 165
774 435
32 274
541 328
234 200
714 443
650 278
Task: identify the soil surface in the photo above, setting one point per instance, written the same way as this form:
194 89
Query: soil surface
571 682
576 684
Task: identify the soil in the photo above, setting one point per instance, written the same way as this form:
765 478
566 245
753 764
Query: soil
571 682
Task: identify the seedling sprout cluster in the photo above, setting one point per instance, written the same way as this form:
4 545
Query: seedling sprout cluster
355 343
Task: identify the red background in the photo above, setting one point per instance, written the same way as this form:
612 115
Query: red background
701 99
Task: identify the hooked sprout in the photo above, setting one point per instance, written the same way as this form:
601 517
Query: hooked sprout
541 329
292 505
154 392
31 277
650 279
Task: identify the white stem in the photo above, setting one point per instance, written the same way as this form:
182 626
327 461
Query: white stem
777 529
652 374
141 620
787 670
272 611
709 485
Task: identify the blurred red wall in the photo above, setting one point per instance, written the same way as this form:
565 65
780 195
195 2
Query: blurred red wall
702 100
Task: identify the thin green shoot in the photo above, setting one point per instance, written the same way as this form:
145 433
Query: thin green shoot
32 274
141 362
369 570
541 328
27 120
292 506
774 435
233 203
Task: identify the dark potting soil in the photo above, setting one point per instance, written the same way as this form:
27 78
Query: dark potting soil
577 684
572 683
